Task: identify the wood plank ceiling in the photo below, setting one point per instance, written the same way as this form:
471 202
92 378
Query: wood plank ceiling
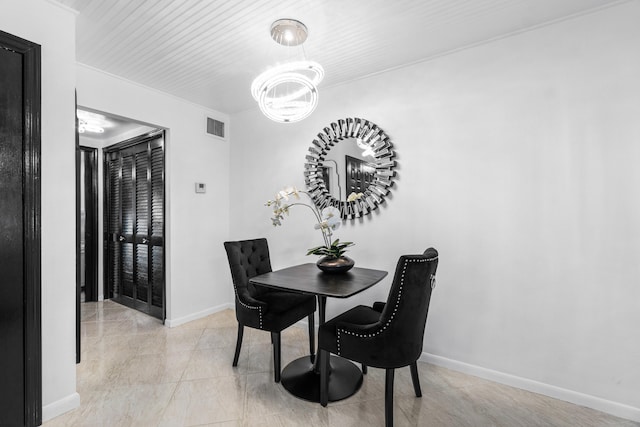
208 52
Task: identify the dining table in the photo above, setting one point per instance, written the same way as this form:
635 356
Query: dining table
301 377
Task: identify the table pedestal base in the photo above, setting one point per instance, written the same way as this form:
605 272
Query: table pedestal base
301 380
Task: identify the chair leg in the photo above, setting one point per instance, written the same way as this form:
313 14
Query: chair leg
238 344
323 356
312 338
364 369
275 338
415 379
388 399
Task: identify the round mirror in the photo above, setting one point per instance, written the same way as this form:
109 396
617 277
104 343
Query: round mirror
350 166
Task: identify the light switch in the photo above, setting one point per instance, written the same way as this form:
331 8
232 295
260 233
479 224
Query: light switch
201 187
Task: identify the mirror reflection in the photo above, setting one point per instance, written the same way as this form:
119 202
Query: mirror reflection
350 166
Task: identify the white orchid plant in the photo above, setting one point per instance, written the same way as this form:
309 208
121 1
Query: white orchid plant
328 220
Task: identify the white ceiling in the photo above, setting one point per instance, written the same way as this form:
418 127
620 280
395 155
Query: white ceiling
209 52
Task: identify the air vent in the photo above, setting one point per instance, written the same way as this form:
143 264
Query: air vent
215 128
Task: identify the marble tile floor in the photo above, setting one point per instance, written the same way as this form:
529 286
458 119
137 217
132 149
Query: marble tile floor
137 372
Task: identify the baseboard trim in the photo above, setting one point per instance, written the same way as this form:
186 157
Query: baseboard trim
614 408
61 406
172 323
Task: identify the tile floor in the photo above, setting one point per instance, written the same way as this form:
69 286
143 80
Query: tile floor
136 372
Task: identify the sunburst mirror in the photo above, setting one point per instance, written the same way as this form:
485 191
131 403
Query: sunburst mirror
350 166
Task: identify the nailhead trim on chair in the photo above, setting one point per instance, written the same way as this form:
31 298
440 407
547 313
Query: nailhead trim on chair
395 309
251 307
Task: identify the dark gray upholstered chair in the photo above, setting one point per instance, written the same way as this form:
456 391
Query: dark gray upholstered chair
261 307
388 335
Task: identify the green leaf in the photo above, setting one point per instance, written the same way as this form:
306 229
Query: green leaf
315 251
336 250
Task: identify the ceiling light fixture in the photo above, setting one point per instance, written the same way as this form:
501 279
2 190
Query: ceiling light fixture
90 122
367 149
288 92
84 126
289 32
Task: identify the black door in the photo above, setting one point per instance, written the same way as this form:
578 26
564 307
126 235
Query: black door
88 223
20 355
134 223
86 231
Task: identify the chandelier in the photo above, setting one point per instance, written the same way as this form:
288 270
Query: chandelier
288 92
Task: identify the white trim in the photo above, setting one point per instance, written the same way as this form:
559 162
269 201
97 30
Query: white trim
61 406
593 402
172 323
482 42
64 7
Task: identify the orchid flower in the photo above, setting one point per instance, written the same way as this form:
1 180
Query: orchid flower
327 221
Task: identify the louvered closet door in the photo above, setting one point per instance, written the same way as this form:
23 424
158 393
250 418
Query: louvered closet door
135 224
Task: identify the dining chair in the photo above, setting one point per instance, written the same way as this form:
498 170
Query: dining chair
261 307
388 335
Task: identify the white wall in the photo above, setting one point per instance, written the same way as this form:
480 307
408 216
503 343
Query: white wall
54 29
519 157
196 224
518 162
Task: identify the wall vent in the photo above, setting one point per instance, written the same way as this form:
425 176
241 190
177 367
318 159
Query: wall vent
216 128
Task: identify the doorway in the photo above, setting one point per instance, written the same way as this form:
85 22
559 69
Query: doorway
134 200
96 133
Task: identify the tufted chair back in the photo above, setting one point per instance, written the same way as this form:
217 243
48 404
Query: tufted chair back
395 338
405 314
388 335
247 259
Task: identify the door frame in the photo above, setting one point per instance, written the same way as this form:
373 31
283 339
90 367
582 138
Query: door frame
91 250
108 291
32 226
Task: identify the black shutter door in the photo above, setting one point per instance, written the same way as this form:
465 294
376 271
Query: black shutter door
142 229
136 224
126 226
157 227
113 198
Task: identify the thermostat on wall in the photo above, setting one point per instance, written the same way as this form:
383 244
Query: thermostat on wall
201 187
